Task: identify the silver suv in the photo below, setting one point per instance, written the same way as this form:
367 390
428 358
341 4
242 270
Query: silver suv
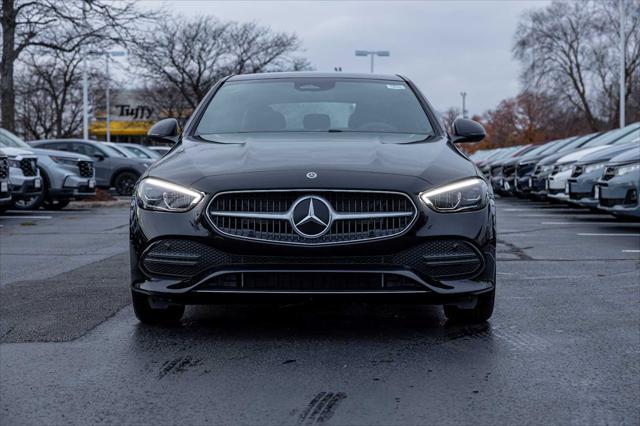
24 176
112 168
65 176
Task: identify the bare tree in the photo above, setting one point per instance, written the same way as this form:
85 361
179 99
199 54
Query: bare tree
49 95
449 116
57 25
190 54
569 50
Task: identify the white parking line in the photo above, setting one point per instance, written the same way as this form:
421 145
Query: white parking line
589 234
580 223
631 251
26 217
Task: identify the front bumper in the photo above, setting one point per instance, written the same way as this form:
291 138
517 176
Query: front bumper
74 187
24 186
581 189
409 267
616 196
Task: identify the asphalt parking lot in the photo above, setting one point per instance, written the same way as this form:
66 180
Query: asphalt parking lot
562 347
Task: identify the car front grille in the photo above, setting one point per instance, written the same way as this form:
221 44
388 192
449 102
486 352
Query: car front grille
85 168
577 171
524 169
355 215
4 168
612 202
29 167
609 173
508 170
441 259
333 282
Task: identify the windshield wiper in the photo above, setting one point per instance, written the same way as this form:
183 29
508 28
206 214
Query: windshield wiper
335 131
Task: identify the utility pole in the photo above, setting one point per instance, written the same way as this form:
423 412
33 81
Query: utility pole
622 64
464 104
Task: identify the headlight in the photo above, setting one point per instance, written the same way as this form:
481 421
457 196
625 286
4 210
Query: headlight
623 170
468 194
545 169
593 167
14 163
63 160
156 194
565 167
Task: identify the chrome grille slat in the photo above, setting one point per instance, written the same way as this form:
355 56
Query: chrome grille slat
356 215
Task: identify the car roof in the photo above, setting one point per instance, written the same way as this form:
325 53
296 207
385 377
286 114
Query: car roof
312 74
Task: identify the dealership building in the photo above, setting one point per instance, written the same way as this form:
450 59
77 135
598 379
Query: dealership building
131 116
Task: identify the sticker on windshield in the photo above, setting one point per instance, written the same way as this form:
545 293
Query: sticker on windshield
396 86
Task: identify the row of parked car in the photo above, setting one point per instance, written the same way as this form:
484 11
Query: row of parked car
52 173
599 170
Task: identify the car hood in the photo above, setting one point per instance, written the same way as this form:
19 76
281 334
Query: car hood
62 154
578 155
434 162
607 153
14 152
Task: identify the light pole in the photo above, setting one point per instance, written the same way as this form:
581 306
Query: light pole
372 53
622 64
107 57
85 101
464 104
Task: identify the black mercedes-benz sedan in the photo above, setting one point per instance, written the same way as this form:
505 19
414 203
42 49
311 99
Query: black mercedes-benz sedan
312 185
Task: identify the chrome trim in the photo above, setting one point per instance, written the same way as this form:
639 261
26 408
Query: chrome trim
406 274
314 292
288 215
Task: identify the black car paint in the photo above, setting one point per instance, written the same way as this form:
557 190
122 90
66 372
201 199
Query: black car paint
341 161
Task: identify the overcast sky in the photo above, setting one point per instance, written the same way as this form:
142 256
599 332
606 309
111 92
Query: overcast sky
445 47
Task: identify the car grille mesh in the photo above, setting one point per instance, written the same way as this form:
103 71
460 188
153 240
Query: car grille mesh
508 170
524 169
340 232
85 168
440 259
29 167
577 171
312 282
4 168
609 173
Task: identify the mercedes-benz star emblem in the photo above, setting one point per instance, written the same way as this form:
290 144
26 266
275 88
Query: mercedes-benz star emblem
312 175
311 216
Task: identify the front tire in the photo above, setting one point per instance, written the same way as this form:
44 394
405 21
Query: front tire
124 182
481 312
148 314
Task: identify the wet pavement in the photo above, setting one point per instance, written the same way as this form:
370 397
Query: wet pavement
562 347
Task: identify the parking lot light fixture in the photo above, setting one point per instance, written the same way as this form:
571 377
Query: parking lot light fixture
372 53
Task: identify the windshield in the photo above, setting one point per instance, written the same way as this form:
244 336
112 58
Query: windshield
612 136
634 136
9 140
315 105
137 152
576 143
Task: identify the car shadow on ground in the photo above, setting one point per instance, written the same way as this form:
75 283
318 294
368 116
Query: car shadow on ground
316 322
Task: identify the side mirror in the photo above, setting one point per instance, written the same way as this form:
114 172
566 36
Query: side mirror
99 157
465 130
167 130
